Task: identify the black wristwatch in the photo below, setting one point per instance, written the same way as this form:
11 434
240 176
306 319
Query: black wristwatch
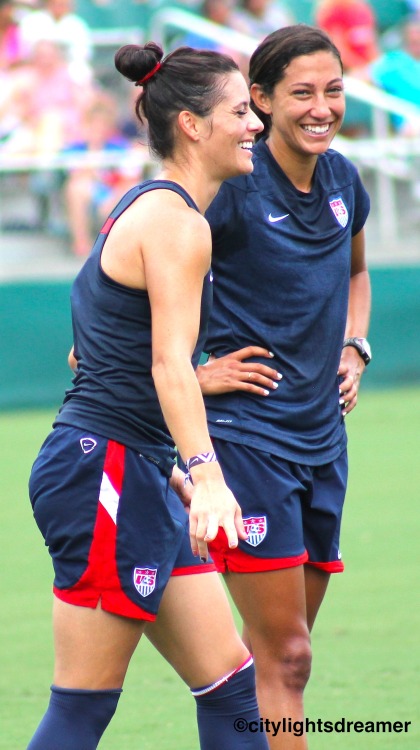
362 346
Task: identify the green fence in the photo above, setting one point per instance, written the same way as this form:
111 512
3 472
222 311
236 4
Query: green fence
395 327
35 331
36 337
116 14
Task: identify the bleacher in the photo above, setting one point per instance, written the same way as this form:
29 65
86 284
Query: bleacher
390 166
36 266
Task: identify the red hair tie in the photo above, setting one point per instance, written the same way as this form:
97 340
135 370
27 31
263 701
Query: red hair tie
148 75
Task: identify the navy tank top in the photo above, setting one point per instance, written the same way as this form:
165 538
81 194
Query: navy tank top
113 392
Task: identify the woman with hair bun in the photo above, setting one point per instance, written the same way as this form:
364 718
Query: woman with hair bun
104 490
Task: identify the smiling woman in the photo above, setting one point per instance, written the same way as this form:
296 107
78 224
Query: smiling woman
290 286
306 108
104 489
303 107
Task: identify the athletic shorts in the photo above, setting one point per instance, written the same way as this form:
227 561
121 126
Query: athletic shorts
292 512
115 529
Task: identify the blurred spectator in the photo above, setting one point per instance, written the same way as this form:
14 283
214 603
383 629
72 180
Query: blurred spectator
57 22
218 11
414 7
257 18
352 26
40 112
43 107
92 192
20 131
128 124
12 48
398 73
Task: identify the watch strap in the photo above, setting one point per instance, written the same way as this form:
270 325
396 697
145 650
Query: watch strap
359 344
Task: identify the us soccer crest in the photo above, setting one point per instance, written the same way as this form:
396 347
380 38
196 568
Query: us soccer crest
256 528
145 580
340 211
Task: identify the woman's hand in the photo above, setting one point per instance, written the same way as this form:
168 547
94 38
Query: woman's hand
232 373
213 506
182 487
351 370
72 361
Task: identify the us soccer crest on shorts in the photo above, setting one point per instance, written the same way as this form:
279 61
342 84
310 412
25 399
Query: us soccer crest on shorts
145 580
340 211
256 528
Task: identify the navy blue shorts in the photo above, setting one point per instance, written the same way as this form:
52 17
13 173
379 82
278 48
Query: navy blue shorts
115 529
292 512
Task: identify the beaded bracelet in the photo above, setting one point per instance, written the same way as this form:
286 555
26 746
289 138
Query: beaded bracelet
200 458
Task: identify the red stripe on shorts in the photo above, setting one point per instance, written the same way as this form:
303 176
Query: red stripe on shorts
100 581
189 570
237 561
335 566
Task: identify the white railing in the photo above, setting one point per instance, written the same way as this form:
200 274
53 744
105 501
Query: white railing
133 161
128 159
117 36
173 18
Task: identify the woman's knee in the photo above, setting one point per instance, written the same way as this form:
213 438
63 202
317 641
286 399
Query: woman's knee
296 662
288 662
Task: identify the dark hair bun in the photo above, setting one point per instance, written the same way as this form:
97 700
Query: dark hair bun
134 61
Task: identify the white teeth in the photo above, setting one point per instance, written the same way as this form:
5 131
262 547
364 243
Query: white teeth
319 129
246 145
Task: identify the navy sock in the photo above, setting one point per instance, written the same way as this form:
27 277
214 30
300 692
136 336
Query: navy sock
75 719
227 713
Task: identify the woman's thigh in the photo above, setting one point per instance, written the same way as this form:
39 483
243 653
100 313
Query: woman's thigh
195 630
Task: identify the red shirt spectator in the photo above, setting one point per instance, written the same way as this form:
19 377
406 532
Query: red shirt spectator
12 49
352 26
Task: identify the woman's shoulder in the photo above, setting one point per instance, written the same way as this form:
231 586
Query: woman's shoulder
336 173
335 162
166 212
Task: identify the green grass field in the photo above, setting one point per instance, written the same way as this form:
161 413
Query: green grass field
366 640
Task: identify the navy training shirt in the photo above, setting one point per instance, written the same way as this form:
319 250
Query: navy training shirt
113 392
281 264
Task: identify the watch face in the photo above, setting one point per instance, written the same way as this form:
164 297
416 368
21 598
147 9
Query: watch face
364 343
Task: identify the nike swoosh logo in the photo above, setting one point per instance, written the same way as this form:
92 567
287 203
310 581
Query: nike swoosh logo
273 219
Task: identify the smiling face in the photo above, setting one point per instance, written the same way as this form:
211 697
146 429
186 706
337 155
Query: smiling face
229 132
307 106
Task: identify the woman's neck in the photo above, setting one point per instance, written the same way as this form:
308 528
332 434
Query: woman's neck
201 190
299 168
